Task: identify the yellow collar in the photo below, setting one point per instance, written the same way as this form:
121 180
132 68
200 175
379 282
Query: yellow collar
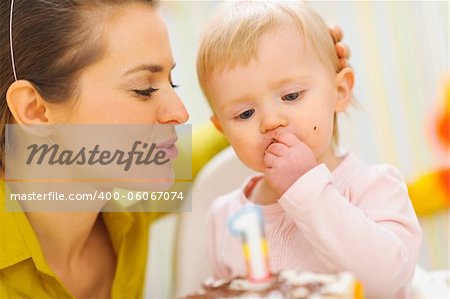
19 241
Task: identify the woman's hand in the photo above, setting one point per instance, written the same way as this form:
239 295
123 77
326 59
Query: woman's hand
286 161
343 52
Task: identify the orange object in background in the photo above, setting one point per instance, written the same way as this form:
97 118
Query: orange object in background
443 122
431 192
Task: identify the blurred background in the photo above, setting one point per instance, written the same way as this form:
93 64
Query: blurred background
400 54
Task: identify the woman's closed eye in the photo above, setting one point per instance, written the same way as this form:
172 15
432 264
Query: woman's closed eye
292 96
145 92
246 114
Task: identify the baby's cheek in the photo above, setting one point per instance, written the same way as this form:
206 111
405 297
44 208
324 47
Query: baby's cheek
250 153
317 136
309 133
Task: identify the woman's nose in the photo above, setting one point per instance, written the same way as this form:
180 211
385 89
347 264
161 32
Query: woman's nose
272 120
172 110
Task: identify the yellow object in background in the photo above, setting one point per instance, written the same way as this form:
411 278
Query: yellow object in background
207 141
431 192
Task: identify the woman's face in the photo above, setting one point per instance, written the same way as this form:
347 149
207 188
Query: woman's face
131 83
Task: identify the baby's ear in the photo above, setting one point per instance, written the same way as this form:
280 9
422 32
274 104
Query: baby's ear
344 82
216 123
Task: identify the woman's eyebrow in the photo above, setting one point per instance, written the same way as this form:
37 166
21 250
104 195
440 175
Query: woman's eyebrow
154 68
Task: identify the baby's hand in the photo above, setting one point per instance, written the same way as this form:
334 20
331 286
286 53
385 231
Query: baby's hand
286 161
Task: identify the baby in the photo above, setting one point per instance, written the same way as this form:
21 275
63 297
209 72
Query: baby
271 75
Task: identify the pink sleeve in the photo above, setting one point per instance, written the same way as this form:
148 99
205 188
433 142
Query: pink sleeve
371 231
214 234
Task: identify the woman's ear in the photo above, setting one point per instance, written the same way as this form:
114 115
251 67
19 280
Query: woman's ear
216 123
26 104
28 108
344 82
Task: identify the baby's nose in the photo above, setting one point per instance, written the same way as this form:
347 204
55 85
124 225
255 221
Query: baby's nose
273 122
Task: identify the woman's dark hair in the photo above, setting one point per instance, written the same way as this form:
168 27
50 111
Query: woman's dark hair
52 42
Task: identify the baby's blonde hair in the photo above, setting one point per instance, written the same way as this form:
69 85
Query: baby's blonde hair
231 37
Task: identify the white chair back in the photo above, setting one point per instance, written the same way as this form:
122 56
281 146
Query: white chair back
224 173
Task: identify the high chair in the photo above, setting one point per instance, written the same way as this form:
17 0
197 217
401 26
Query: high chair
224 173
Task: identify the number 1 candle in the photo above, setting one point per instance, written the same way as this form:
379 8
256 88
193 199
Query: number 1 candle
249 224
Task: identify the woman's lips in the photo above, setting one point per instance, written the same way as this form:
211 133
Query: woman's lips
169 147
168 142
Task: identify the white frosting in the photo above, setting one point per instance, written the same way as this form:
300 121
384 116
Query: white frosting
275 295
245 285
218 283
211 282
341 284
344 285
271 295
300 292
307 278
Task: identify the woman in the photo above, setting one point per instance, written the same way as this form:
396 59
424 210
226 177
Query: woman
81 62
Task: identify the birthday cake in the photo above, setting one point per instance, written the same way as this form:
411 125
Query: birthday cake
287 284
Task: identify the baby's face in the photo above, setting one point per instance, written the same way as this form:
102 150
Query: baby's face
285 88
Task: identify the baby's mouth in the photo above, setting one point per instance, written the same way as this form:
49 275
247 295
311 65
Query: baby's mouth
273 140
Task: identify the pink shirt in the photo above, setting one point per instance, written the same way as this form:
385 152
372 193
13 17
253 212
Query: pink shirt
357 218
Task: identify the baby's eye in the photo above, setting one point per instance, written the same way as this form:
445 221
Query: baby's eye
246 114
290 96
145 92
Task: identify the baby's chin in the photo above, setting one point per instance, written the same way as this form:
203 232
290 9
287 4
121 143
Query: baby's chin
258 167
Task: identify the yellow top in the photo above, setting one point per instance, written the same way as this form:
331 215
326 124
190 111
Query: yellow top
24 273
